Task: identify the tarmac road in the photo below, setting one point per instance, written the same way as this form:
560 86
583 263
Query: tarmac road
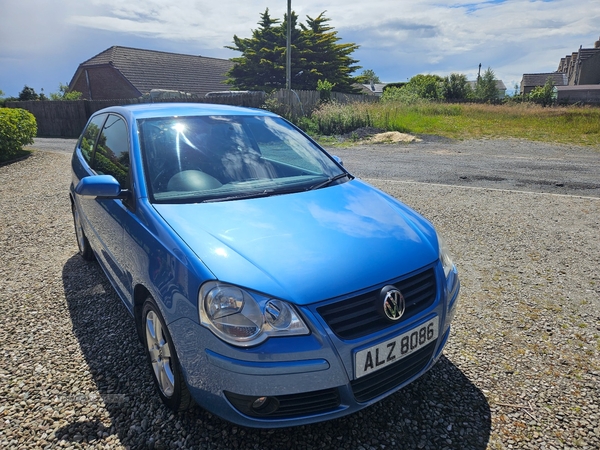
512 164
516 165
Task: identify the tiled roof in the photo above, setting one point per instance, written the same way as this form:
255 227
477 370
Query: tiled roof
570 63
150 69
539 79
375 89
585 53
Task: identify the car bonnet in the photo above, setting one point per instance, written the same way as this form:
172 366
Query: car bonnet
308 246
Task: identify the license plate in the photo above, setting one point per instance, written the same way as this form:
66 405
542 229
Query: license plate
382 355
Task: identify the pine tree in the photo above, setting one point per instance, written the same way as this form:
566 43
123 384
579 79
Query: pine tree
263 57
366 77
486 86
316 55
327 60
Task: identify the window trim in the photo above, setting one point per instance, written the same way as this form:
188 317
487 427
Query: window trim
93 164
90 163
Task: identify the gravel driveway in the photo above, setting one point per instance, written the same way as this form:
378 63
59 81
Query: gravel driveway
521 370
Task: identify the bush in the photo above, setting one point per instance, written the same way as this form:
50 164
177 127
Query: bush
324 88
456 87
427 87
401 95
17 128
308 125
543 95
333 118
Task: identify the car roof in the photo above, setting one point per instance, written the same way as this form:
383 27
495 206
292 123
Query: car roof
148 110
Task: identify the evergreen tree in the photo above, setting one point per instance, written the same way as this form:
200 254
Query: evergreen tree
486 86
366 77
262 64
326 59
456 87
316 55
28 93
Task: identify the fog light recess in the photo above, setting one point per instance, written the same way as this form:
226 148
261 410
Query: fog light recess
265 405
252 405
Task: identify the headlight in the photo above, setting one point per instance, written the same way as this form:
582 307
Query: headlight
445 258
245 319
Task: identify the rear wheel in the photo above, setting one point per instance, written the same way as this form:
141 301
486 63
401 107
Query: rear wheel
85 249
163 360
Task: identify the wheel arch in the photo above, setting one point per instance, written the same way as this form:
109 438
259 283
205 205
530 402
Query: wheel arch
140 294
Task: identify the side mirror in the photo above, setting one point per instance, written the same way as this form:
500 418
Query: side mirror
338 160
104 186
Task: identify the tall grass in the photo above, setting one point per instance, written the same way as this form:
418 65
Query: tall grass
569 125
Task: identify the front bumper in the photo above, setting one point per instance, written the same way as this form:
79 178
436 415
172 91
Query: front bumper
303 379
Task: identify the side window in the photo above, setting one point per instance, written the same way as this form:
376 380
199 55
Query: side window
112 151
88 139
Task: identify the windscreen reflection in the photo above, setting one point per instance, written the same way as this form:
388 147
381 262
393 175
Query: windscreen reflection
189 159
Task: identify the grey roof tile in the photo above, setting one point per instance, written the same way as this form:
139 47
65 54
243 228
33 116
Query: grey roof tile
151 69
539 79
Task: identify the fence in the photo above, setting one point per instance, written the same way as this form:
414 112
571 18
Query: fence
68 118
56 119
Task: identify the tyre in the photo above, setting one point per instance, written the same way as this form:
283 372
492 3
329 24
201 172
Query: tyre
85 249
163 359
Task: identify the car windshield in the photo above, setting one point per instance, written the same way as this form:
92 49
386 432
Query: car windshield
219 158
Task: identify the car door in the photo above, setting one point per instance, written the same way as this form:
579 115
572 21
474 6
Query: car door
108 217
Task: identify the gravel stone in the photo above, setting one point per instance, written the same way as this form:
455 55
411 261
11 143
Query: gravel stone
521 369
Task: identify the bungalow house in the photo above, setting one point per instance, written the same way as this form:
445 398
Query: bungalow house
532 80
124 72
375 89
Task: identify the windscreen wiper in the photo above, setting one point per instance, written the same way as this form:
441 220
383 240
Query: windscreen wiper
330 180
259 194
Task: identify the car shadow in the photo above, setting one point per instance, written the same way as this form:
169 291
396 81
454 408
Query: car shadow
442 409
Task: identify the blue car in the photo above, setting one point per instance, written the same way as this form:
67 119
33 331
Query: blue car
268 285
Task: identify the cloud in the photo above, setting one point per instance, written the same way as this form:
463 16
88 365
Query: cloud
45 41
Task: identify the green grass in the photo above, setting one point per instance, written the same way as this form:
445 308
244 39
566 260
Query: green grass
567 125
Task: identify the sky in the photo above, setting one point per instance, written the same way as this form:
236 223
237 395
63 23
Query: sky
42 42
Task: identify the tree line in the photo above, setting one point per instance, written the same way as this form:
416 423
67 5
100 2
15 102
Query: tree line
29 94
453 87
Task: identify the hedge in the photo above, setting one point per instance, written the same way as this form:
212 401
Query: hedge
17 128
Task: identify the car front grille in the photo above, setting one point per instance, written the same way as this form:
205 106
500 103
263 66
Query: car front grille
359 316
303 404
381 381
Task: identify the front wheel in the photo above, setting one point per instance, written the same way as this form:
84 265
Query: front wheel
163 360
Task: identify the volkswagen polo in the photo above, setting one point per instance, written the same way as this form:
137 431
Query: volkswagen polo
268 284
